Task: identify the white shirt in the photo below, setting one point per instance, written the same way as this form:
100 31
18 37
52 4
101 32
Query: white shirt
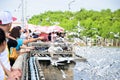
23 36
4 58
2 74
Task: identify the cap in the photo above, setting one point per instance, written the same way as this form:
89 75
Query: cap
6 17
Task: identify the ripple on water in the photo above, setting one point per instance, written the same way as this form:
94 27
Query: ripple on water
103 63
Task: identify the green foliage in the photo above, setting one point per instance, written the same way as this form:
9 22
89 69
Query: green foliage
95 23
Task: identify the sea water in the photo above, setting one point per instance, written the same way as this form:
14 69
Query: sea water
103 63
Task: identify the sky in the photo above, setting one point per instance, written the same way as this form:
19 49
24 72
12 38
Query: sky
34 7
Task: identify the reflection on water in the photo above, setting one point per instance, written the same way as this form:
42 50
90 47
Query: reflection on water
103 63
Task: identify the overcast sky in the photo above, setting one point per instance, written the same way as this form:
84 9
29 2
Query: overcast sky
33 7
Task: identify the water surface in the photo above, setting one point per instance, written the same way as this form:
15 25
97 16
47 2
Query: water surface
103 63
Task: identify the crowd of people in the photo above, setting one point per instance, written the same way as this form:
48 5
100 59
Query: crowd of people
6 71
17 38
11 38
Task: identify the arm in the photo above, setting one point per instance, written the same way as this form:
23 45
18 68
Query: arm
32 40
14 74
7 72
10 37
26 47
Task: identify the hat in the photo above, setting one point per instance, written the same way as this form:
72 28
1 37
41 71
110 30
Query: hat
6 17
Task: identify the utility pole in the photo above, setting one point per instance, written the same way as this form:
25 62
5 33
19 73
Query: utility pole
23 13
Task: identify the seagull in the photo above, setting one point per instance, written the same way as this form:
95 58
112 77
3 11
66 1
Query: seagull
63 74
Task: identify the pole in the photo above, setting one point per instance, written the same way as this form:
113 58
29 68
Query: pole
22 13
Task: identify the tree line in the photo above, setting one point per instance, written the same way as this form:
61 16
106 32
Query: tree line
90 23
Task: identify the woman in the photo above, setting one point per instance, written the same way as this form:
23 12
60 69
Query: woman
16 33
11 43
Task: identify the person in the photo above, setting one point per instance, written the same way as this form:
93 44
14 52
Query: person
49 37
34 35
53 36
16 33
2 47
11 43
4 70
5 24
24 34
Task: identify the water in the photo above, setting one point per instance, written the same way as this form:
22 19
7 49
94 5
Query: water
103 63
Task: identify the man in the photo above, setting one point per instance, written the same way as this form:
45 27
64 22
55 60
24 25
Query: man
5 24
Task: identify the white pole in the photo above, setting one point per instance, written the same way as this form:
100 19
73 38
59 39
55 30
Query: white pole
22 19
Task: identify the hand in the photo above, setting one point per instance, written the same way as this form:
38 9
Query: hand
31 47
40 38
15 74
17 71
12 78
